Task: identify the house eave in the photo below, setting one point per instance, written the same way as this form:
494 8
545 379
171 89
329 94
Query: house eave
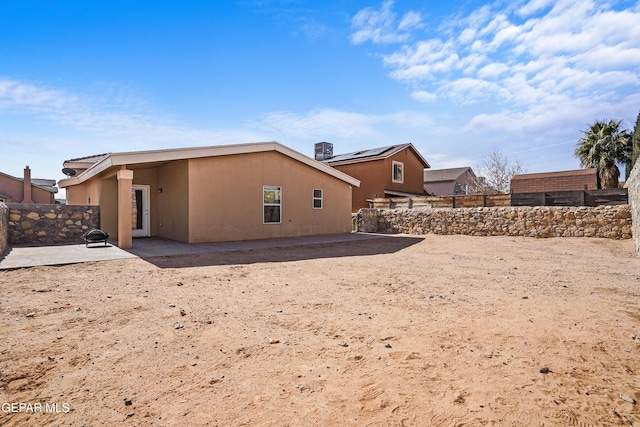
157 156
402 193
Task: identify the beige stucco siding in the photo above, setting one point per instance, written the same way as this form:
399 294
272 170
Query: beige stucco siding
109 206
413 172
171 216
14 189
86 193
377 175
226 198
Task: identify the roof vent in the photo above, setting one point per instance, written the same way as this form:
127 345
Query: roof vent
324 150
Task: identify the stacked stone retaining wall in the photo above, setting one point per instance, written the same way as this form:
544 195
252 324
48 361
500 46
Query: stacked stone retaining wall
4 229
35 223
633 188
613 222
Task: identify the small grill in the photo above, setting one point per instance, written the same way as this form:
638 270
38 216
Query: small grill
95 236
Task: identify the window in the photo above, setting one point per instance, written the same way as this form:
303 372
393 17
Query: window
398 172
272 204
317 199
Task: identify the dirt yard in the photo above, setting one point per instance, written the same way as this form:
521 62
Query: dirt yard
411 331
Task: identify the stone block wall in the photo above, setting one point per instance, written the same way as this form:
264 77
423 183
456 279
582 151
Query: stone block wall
633 188
35 223
4 229
613 222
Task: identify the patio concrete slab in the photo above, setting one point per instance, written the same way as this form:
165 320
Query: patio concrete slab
31 256
153 247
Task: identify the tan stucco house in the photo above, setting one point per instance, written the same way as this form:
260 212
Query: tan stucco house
450 182
212 194
392 171
26 189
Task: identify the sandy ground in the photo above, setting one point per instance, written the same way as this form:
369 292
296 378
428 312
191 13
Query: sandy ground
434 330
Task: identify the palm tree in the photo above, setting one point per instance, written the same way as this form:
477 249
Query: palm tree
604 146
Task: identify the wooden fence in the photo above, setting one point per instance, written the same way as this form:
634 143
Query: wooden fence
615 196
442 202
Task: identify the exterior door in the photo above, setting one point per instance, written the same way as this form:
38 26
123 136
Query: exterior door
140 214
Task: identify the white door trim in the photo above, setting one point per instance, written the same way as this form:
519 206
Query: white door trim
145 231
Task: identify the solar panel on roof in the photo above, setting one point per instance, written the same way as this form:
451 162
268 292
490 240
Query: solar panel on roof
379 151
362 154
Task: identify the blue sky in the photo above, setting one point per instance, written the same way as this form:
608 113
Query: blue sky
456 78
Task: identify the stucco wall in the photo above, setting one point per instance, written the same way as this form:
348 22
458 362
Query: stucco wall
226 200
14 188
612 222
32 223
86 193
4 229
376 176
172 214
633 187
108 199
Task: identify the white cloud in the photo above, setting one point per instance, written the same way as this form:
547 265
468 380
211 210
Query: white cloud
507 34
609 57
410 21
311 29
15 95
379 25
317 124
477 20
562 47
414 120
495 26
352 128
423 61
119 127
492 70
468 90
467 35
424 96
447 160
92 126
533 7
525 75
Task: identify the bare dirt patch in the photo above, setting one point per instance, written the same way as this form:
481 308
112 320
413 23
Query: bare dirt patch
435 330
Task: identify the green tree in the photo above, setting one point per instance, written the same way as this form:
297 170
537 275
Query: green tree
604 146
635 144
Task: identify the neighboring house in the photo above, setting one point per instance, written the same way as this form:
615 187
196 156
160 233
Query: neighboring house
450 182
27 190
581 179
212 194
393 171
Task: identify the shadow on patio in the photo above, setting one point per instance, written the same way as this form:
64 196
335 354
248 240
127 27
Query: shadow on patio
291 251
